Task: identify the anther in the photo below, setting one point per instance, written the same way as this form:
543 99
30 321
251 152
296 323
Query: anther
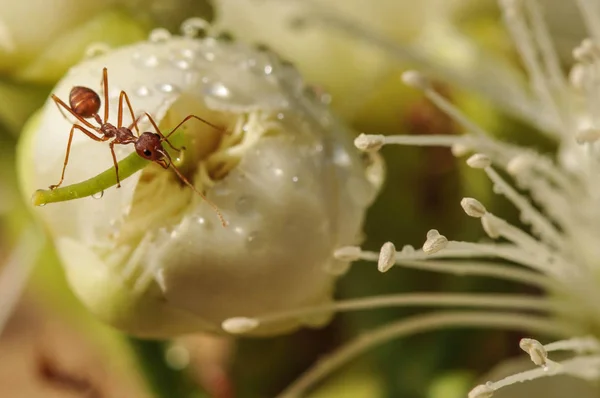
479 161
473 207
435 242
387 257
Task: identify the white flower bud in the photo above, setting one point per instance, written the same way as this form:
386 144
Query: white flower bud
151 257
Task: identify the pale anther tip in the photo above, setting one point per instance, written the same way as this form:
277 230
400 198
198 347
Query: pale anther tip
347 253
415 79
459 149
587 136
536 351
387 257
481 391
479 161
239 325
435 242
519 164
473 207
369 142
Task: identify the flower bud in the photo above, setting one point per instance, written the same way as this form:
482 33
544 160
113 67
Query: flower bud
151 257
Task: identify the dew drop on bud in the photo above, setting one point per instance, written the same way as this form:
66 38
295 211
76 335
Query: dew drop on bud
98 195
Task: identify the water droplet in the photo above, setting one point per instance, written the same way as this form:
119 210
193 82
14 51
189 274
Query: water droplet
295 179
167 88
42 205
177 357
218 90
159 35
245 204
255 240
268 69
142 91
96 49
182 64
192 27
145 60
98 195
341 157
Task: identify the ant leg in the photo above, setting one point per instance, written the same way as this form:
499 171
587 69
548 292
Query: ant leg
189 184
133 118
105 89
92 136
112 152
59 103
163 138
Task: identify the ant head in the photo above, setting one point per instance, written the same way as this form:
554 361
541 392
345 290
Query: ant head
149 146
84 101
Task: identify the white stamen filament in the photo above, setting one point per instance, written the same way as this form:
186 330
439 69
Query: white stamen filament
420 324
416 260
521 34
529 214
469 300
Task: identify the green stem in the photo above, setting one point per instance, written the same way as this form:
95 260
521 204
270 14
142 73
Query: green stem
164 381
92 186
98 184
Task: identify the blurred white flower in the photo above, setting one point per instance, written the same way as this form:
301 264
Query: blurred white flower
556 250
151 258
352 71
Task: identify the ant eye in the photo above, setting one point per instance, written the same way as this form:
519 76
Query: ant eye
147 152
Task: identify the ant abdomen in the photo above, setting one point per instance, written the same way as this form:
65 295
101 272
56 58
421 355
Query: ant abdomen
84 101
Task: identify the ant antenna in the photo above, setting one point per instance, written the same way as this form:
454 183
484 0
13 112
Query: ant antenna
185 180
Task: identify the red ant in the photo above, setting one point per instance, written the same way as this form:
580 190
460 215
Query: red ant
85 104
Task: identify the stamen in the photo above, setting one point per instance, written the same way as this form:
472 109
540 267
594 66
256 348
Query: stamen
529 214
515 22
369 143
435 242
481 391
347 253
536 351
466 250
420 324
417 80
479 161
240 325
584 367
578 344
387 257
473 207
